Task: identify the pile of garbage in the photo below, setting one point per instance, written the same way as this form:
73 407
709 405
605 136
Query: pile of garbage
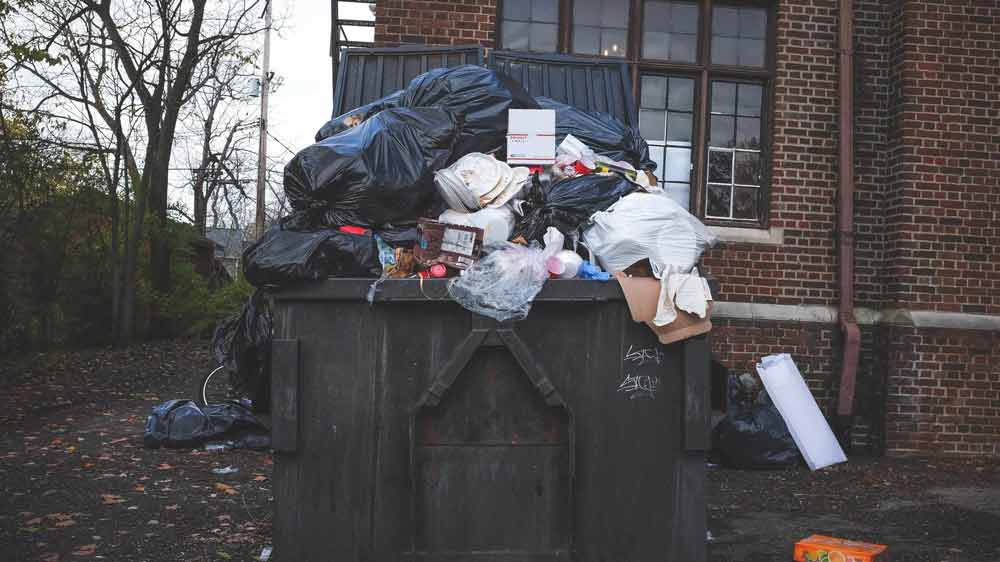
464 175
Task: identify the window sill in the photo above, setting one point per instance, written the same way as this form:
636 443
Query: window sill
773 236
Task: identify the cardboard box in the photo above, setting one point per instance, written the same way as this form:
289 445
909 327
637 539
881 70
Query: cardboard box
453 245
531 137
642 295
819 548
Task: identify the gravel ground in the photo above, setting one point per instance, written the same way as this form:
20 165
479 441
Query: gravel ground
78 484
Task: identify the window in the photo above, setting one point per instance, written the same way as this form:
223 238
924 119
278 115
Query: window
530 25
703 71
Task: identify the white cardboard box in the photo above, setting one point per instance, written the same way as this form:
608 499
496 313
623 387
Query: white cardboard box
531 137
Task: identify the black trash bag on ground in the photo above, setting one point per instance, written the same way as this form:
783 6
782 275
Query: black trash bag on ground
355 117
182 424
376 173
242 343
480 95
568 203
282 256
755 438
603 133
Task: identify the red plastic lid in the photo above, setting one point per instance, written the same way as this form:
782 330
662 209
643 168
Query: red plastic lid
354 230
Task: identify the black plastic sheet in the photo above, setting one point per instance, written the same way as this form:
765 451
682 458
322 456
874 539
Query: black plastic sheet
568 203
242 344
755 438
603 133
378 172
356 116
182 424
282 257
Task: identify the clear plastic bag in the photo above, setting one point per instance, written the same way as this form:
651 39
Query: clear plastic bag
503 284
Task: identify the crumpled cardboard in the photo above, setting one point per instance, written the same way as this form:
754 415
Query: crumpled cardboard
642 295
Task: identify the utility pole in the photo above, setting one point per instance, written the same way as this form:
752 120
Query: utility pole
265 87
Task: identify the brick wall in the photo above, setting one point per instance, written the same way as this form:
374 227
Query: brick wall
422 22
927 207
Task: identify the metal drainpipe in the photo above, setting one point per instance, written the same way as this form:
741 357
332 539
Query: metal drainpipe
845 227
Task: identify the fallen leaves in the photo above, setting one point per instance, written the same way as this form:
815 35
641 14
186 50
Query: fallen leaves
139 488
85 550
164 466
259 478
111 499
49 557
172 507
225 488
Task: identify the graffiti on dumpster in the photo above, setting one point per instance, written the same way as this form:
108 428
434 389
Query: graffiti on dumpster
643 356
639 386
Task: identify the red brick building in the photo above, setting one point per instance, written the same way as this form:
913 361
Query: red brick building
740 102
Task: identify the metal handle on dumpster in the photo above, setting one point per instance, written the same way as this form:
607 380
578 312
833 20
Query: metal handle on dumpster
284 395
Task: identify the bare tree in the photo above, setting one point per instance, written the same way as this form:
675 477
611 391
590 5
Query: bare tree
156 55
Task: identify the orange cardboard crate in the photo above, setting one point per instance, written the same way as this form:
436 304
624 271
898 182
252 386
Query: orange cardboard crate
818 548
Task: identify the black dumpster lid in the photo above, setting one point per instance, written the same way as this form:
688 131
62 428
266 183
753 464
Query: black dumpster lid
366 75
588 84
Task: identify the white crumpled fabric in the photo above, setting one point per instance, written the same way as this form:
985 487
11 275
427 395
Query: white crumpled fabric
502 284
685 291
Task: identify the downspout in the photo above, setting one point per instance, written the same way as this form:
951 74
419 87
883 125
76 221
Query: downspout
845 227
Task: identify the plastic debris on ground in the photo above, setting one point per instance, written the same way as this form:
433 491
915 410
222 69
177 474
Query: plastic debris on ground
242 343
377 173
182 424
755 438
798 408
225 471
503 284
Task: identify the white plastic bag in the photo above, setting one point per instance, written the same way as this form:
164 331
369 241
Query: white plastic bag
477 181
502 284
647 225
497 224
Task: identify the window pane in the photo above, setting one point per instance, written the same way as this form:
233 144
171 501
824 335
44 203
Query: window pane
725 21
747 132
615 13
546 11
655 45
718 200
515 34
656 155
738 36
745 203
720 166
723 97
613 42
750 98
753 23
679 192
651 123
544 36
679 128
684 17
721 133
586 40
681 94
677 166
725 50
656 16
747 168
587 12
517 9
683 47
654 92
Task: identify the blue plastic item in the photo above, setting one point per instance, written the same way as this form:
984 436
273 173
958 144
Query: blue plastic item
590 271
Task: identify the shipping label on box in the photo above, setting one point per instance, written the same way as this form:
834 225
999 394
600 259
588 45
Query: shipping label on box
531 137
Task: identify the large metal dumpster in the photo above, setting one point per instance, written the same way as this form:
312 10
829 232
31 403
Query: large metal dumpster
411 429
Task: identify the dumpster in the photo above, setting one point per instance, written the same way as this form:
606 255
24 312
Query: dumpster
411 429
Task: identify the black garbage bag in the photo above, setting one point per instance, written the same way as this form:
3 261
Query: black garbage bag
401 236
242 343
755 438
356 116
283 256
603 133
568 203
376 173
182 424
480 95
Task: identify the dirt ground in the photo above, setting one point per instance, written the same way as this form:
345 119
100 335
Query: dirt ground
78 485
